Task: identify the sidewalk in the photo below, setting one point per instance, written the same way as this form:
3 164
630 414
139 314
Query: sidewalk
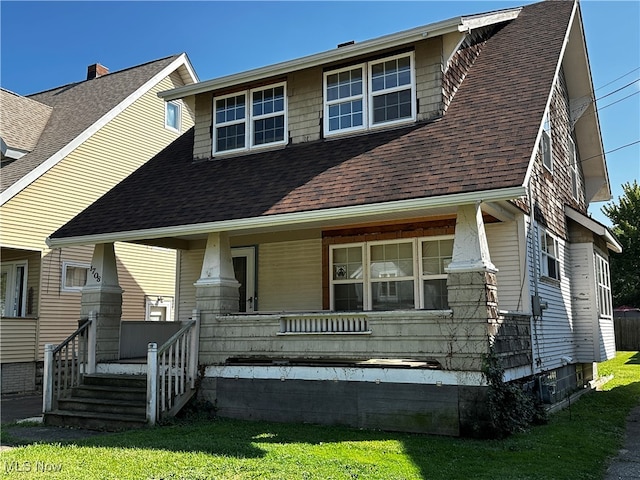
626 466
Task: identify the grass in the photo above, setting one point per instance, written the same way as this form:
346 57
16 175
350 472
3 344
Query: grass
575 444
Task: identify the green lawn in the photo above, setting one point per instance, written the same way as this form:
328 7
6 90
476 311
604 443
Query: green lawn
575 444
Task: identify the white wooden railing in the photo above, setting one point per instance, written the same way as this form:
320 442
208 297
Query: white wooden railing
325 323
172 370
66 364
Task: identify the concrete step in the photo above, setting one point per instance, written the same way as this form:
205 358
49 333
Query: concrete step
103 421
101 405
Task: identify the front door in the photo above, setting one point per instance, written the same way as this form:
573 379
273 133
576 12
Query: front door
244 266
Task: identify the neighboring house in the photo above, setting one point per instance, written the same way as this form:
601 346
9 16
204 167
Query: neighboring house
62 149
356 228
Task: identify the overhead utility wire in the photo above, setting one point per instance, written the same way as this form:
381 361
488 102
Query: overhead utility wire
618 89
615 80
617 101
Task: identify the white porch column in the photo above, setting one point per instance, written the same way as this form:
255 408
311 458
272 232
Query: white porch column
217 289
102 294
472 292
470 247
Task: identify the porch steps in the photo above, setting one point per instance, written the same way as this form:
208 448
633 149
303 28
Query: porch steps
103 402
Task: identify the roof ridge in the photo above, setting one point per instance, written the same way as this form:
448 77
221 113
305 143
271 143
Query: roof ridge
59 87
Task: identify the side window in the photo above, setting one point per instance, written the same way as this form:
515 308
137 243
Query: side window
603 284
549 255
173 113
545 144
74 276
347 277
391 90
573 169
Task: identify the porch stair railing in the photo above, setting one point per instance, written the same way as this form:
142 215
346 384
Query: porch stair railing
66 364
172 370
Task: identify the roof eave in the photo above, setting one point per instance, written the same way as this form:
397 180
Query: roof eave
597 228
456 24
299 219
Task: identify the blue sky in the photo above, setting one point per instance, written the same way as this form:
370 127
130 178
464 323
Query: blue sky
48 44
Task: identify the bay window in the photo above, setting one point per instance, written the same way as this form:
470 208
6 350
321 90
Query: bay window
603 285
250 119
390 275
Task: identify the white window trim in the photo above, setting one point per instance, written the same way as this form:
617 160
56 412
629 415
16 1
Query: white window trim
64 288
368 95
328 103
158 301
12 282
544 255
249 119
603 286
573 168
546 134
178 105
368 282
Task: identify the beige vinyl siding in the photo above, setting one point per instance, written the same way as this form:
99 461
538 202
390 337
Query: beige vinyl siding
18 340
504 248
112 153
290 276
189 269
144 271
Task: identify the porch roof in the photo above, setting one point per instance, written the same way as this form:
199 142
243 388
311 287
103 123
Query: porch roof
480 149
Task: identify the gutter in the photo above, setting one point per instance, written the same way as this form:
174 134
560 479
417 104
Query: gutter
297 218
456 24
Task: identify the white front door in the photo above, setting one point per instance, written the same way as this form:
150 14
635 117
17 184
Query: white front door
244 267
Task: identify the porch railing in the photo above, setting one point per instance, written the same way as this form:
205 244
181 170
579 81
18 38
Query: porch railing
66 364
172 370
325 323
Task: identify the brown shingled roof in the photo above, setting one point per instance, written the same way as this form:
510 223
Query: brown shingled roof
76 107
485 141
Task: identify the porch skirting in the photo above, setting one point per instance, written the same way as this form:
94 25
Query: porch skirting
395 399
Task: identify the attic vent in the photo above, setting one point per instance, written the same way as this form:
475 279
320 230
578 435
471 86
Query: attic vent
345 44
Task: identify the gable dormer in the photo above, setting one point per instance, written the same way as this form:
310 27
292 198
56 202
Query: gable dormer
357 88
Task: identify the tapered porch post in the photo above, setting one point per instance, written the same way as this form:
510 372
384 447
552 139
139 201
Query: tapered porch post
102 294
217 288
472 292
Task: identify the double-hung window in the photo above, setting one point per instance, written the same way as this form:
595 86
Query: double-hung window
250 119
13 289
390 275
367 95
545 143
549 255
603 284
573 168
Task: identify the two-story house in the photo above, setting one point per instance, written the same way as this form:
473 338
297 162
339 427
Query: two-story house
355 229
62 149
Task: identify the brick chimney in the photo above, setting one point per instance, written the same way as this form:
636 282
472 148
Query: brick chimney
96 70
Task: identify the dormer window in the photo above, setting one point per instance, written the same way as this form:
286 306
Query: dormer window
240 124
369 95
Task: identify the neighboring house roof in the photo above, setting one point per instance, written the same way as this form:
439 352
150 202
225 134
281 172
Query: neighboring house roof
78 110
481 147
21 124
